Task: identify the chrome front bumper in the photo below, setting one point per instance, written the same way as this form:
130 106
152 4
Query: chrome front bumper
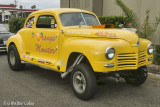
2 46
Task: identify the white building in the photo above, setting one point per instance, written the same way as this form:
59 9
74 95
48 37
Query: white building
6 11
5 14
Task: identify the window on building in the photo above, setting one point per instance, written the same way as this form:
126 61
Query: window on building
6 17
30 22
46 21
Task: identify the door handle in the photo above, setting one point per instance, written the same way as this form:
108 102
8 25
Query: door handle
33 33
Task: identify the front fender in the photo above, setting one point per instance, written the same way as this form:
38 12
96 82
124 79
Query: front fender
93 49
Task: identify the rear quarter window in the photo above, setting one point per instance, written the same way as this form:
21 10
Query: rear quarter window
46 21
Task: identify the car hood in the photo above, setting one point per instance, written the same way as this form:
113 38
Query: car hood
5 35
126 35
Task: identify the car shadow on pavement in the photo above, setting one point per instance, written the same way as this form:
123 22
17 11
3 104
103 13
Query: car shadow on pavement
46 74
3 53
47 80
108 88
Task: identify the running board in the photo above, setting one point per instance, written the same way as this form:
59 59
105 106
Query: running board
24 62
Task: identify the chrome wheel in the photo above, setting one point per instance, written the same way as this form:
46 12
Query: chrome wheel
79 82
12 58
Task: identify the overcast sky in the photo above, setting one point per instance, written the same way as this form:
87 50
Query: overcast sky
40 4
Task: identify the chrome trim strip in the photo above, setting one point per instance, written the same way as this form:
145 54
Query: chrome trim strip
109 65
137 44
2 47
3 50
41 66
150 59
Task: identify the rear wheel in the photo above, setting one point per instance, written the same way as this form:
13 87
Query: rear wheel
138 77
14 60
83 82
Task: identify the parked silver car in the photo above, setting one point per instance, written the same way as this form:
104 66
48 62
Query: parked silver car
4 35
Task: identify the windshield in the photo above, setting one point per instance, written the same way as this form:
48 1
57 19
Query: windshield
78 19
2 28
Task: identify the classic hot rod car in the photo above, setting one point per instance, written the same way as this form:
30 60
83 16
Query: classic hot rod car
73 42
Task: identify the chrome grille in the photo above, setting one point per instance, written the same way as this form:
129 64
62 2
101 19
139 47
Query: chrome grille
126 61
2 47
1 42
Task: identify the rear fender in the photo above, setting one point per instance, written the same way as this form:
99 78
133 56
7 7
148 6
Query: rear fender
17 41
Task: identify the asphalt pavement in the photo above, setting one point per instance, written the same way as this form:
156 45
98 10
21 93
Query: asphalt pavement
39 87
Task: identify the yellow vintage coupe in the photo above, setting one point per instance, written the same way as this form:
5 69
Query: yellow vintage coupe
72 41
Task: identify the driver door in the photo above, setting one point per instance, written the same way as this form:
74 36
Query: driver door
47 39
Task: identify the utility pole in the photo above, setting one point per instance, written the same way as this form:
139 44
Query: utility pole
15 2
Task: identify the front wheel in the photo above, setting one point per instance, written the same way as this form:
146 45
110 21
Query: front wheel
138 77
83 82
14 60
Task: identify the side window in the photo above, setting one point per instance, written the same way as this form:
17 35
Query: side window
46 21
30 22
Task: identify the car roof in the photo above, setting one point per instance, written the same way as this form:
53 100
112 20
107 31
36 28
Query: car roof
60 10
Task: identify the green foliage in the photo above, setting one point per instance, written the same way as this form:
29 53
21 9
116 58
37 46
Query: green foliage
157 55
144 30
21 7
116 20
25 15
46 20
15 24
129 14
33 7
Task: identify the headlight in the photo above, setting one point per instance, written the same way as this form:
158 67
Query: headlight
150 49
110 52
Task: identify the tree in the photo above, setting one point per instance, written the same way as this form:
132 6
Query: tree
33 7
21 7
145 29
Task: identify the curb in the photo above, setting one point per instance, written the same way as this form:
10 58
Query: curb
157 75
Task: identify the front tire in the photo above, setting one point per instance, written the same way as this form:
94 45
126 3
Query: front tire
138 77
83 82
14 60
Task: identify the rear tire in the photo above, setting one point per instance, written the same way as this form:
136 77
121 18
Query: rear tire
138 77
14 60
83 82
